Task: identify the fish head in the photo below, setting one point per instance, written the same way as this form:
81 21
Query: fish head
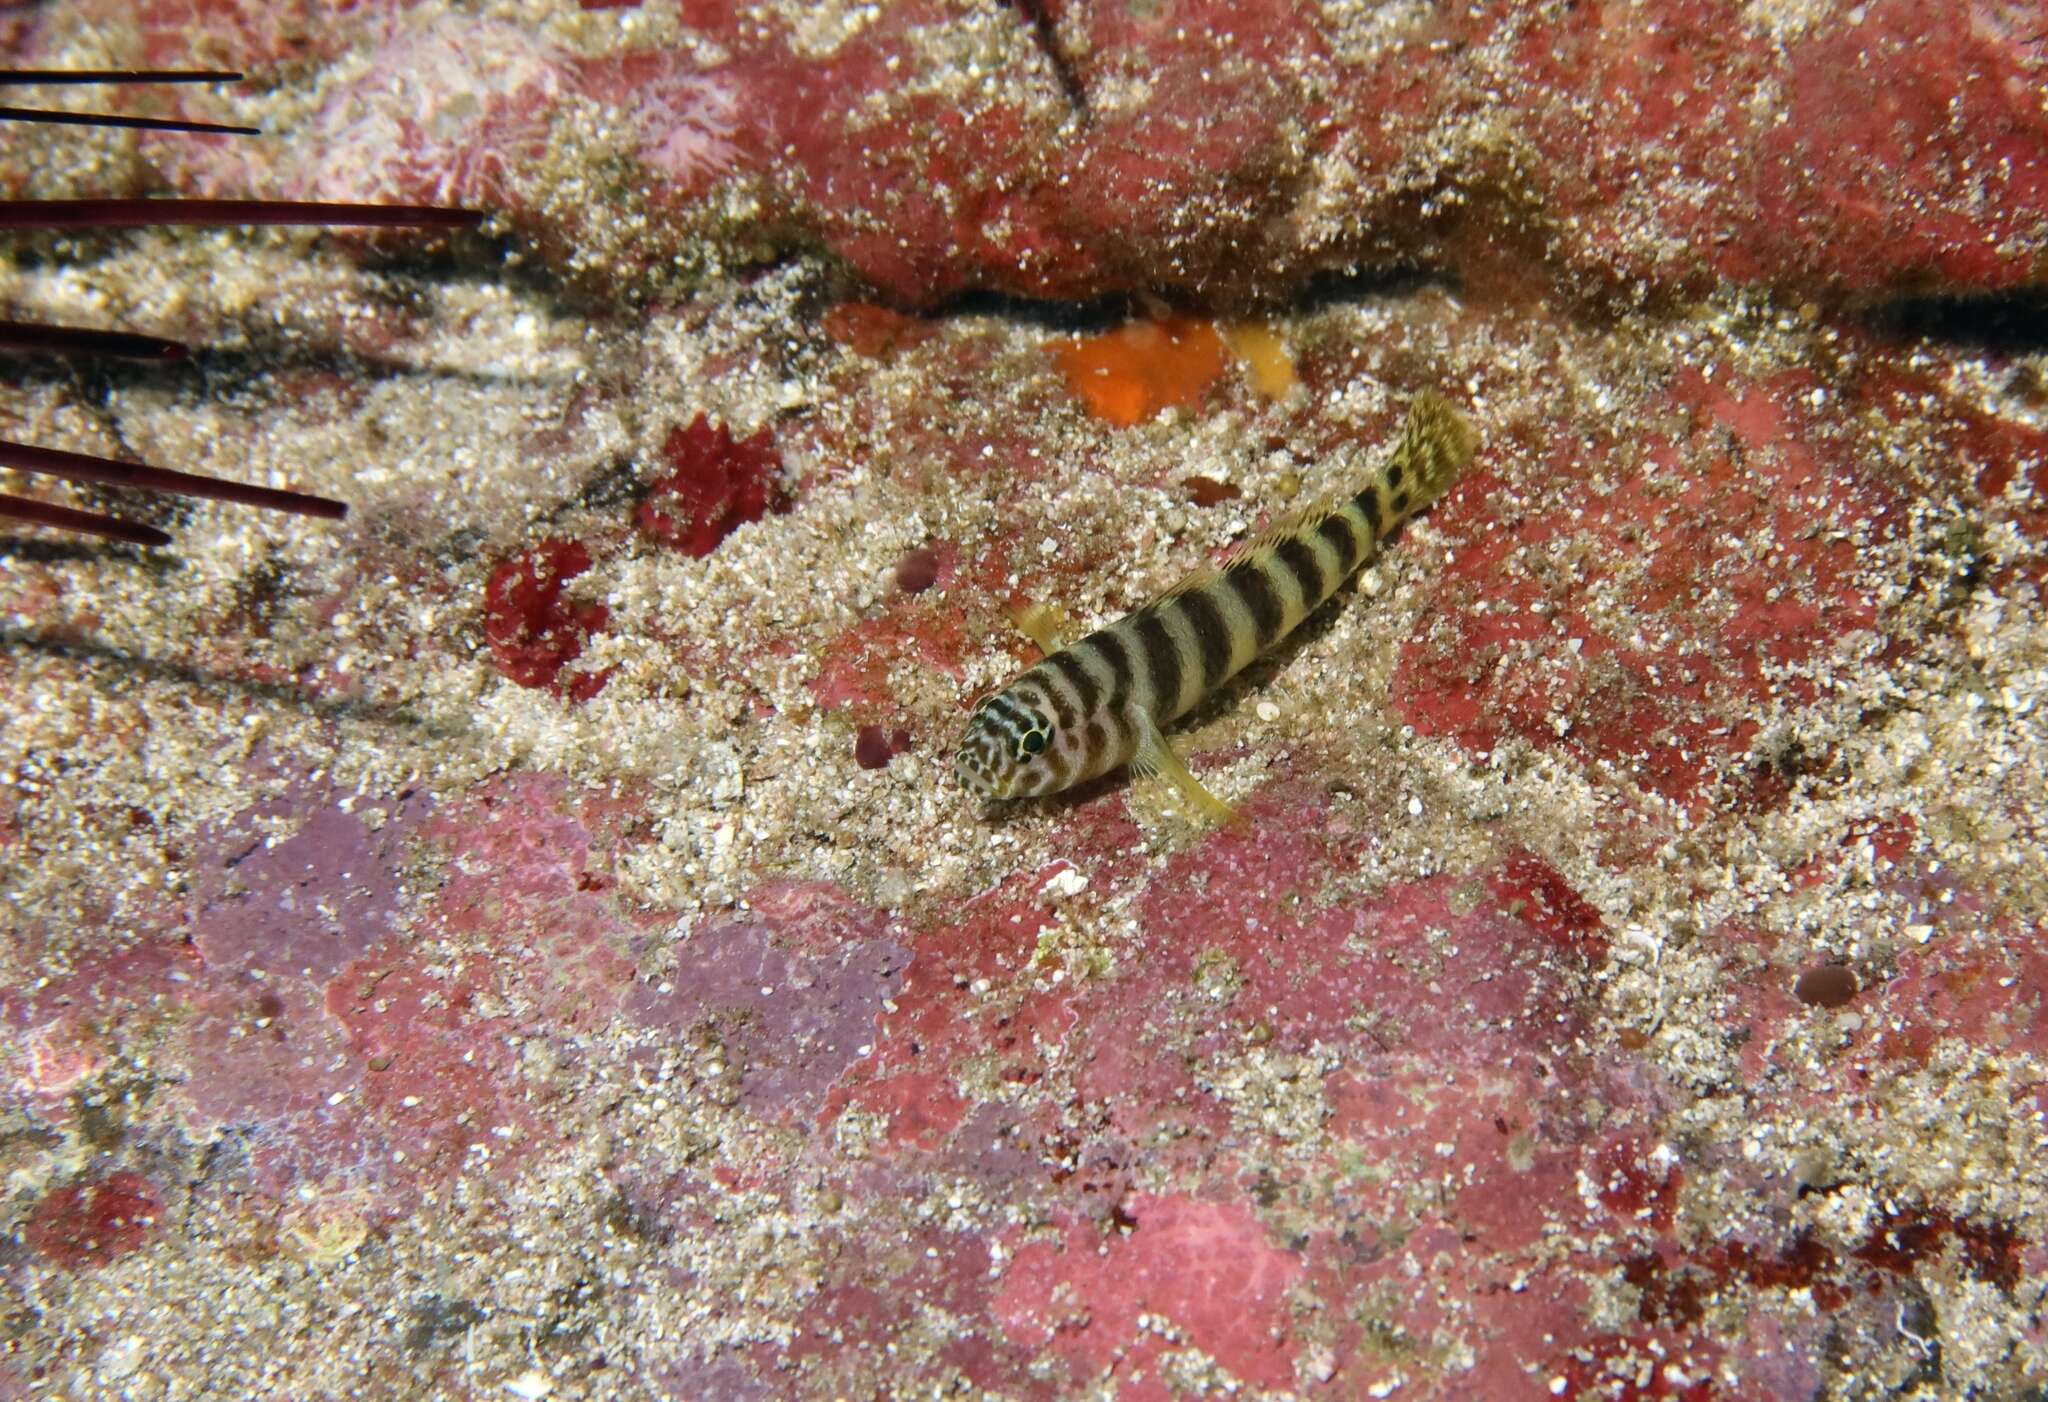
1008 750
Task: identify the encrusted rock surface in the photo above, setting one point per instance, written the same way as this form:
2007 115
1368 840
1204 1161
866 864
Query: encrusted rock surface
524 940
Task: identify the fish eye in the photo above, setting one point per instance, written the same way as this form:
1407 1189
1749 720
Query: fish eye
1031 742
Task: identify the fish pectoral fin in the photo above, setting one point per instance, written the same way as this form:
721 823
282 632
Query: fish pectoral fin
1155 758
1044 624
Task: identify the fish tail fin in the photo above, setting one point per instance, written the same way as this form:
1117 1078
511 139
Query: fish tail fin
1437 443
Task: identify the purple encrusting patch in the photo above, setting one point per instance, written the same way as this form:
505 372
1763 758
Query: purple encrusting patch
795 1022
310 904
267 1060
721 1375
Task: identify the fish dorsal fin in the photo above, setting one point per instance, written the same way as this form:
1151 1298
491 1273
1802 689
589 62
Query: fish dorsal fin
1196 578
1280 528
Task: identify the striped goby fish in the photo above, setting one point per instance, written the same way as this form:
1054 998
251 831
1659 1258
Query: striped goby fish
1101 703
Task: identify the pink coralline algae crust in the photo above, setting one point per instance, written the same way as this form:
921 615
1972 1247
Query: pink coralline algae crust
1973 979
443 1088
842 1342
1666 143
60 1032
268 1059
533 631
928 1036
384 1074
387 1083
1784 191
1207 1269
1986 990
313 902
1517 647
794 1001
1311 971
1455 1034
1600 1090
853 669
1683 154
83 1226
933 626
1002 191
522 855
1978 984
1973 987
719 483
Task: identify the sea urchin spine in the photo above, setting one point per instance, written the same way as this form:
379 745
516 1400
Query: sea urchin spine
124 213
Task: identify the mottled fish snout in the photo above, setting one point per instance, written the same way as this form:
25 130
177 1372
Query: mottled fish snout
982 764
972 768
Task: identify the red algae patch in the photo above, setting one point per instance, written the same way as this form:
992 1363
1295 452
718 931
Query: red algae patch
874 747
921 568
83 1226
1207 491
1128 375
1635 1186
533 631
1828 986
718 484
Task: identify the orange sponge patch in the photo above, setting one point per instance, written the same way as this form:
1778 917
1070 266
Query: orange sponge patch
1126 376
1264 356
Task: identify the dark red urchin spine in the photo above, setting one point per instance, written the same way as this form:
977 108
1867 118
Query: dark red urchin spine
69 518
167 212
34 338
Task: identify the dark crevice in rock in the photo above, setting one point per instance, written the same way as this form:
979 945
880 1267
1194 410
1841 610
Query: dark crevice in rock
1045 33
1345 286
2008 323
1087 318
1332 288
